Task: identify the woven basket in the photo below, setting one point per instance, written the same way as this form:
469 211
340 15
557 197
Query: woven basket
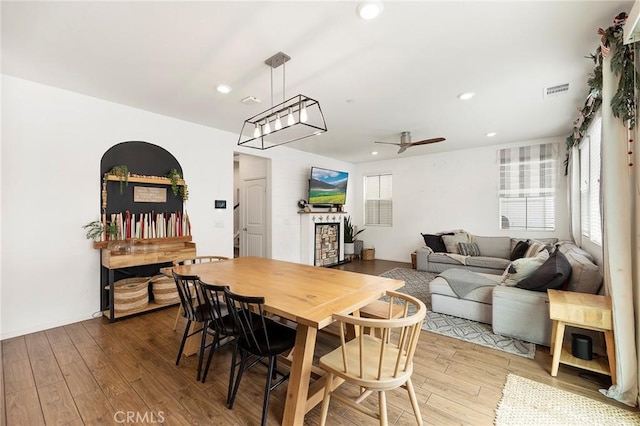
130 294
164 290
368 254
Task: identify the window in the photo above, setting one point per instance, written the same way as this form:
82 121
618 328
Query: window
590 182
378 202
527 187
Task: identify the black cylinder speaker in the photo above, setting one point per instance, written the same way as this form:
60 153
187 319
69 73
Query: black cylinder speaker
581 346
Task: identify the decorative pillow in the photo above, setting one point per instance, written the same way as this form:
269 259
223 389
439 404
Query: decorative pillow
522 268
434 242
536 247
468 249
552 274
519 250
451 241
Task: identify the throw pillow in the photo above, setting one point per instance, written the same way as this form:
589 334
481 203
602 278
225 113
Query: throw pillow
434 242
519 250
451 241
522 268
469 249
535 247
552 274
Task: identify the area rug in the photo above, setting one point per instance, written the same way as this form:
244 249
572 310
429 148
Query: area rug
525 402
417 285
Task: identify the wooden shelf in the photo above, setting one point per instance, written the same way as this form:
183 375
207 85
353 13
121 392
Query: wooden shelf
150 253
152 306
597 365
158 180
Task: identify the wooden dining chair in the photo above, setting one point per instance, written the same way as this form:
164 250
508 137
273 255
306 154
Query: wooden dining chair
379 361
193 261
221 323
195 310
258 337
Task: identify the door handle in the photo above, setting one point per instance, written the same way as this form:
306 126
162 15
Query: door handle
244 229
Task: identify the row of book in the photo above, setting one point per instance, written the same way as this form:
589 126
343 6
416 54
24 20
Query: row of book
151 225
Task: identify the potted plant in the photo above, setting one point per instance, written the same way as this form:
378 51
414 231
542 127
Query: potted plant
177 189
350 235
122 171
95 230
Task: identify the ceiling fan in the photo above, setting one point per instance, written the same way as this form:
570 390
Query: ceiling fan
405 142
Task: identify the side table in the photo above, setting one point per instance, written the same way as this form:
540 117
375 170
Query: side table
581 310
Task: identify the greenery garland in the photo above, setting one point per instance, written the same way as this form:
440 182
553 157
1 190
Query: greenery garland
623 103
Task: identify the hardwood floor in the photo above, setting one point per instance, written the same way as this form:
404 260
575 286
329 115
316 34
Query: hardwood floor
96 373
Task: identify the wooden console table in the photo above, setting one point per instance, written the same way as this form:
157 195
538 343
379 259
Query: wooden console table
581 310
152 251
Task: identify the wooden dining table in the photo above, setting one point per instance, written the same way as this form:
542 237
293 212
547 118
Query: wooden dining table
305 294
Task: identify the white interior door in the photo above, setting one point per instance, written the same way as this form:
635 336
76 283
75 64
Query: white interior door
254 208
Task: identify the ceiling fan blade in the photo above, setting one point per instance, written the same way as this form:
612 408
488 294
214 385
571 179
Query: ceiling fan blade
388 143
403 148
427 141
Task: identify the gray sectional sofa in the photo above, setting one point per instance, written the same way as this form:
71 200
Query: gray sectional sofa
512 311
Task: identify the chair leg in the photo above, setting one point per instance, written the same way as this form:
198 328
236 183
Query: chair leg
267 389
232 371
414 401
203 345
325 400
214 346
184 339
243 363
178 315
382 402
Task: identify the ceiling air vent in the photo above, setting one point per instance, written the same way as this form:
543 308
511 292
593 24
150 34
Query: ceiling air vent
250 100
557 90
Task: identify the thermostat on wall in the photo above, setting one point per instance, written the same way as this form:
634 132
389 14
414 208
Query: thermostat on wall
221 204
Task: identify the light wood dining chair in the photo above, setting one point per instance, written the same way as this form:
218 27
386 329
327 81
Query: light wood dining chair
195 260
377 362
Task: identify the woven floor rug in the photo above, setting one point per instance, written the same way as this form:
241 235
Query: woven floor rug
525 402
417 285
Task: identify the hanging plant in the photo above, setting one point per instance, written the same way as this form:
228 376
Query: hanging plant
122 172
623 103
175 176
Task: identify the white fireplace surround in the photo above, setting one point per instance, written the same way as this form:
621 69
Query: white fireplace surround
308 223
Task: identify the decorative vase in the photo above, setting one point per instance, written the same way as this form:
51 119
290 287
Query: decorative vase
349 248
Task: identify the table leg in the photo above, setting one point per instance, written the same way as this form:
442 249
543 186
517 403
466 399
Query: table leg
611 354
298 387
557 347
554 329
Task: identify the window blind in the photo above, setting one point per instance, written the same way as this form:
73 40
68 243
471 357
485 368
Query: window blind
378 200
527 187
590 182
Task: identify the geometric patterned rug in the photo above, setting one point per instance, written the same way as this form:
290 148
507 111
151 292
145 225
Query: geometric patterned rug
525 402
417 285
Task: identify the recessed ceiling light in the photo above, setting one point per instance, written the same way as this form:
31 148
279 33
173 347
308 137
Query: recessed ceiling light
369 10
491 134
466 96
374 152
223 88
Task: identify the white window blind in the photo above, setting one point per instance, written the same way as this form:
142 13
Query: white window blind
527 187
378 200
590 182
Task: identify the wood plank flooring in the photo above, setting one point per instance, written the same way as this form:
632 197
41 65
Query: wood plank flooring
96 373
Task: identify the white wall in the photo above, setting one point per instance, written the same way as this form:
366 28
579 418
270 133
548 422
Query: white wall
446 191
52 143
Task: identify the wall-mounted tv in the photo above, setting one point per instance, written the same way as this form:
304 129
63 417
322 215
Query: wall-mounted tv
327 187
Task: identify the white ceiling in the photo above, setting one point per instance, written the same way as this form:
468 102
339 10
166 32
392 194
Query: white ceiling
374 79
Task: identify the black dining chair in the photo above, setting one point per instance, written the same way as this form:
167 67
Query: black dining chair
194 309
258 337
221 323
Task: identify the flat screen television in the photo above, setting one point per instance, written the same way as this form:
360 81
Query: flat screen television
327 187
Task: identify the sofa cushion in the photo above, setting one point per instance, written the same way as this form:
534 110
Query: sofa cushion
488 262
443 258
468 249
519 250
522 268
569 246
494 246
552 274
434 242
536 247
585 275
451 241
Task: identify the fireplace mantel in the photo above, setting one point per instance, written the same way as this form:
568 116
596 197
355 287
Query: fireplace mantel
308 222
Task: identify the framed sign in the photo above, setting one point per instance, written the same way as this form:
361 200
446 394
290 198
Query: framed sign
146 194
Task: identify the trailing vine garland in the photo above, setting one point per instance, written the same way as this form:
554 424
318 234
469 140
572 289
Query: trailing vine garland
623 103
